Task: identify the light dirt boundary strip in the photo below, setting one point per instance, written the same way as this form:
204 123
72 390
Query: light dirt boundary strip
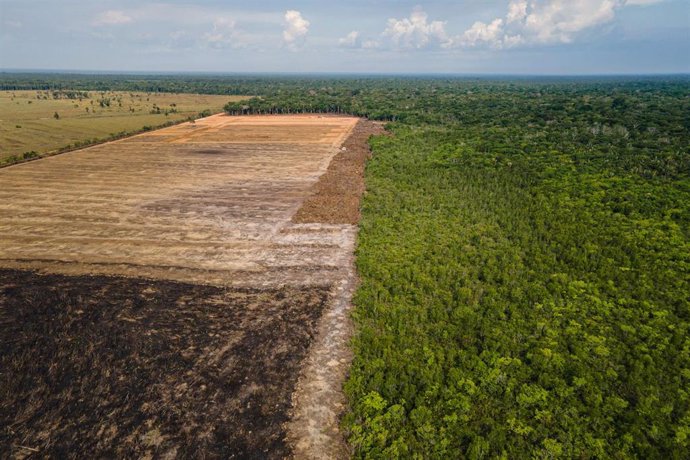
318 401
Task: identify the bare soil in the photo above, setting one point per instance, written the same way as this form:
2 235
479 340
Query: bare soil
159 205
159 297
125 368
318 401
336 196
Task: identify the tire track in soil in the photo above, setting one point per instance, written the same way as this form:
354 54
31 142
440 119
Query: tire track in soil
319 401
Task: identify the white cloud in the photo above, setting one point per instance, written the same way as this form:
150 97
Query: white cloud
111 17
416 32
370 44
642 2
517 11
543 22
483 33
510 41
559 21
354 40
223 34
296 28
351 40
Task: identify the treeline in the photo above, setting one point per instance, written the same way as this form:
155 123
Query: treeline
134 83
426 100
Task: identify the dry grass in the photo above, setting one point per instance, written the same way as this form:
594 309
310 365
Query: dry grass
28 123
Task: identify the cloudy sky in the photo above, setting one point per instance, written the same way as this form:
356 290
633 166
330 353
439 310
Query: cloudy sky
372 36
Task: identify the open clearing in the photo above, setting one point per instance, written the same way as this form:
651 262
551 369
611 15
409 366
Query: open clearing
28 123
158 296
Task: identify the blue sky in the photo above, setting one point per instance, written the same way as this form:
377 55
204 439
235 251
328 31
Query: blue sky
377 36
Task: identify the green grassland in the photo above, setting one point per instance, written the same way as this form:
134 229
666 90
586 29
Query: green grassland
28 120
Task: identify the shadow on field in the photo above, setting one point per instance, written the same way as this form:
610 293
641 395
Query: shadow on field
118 367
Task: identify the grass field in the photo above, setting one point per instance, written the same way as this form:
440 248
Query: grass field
28 120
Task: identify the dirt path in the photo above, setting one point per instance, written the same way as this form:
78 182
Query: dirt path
319 402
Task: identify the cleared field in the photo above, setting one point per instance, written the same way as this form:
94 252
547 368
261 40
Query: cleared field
28 122
180 203
157 298
132 368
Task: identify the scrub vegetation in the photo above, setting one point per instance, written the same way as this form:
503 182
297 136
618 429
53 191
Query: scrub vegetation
524 292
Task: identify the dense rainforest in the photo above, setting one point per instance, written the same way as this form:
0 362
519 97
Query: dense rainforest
524 255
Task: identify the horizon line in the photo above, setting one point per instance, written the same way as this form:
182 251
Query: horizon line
335 73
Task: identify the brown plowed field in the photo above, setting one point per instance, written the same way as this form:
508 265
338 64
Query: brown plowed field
208 202
157 298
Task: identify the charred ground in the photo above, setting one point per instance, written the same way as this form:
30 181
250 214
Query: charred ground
134 368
